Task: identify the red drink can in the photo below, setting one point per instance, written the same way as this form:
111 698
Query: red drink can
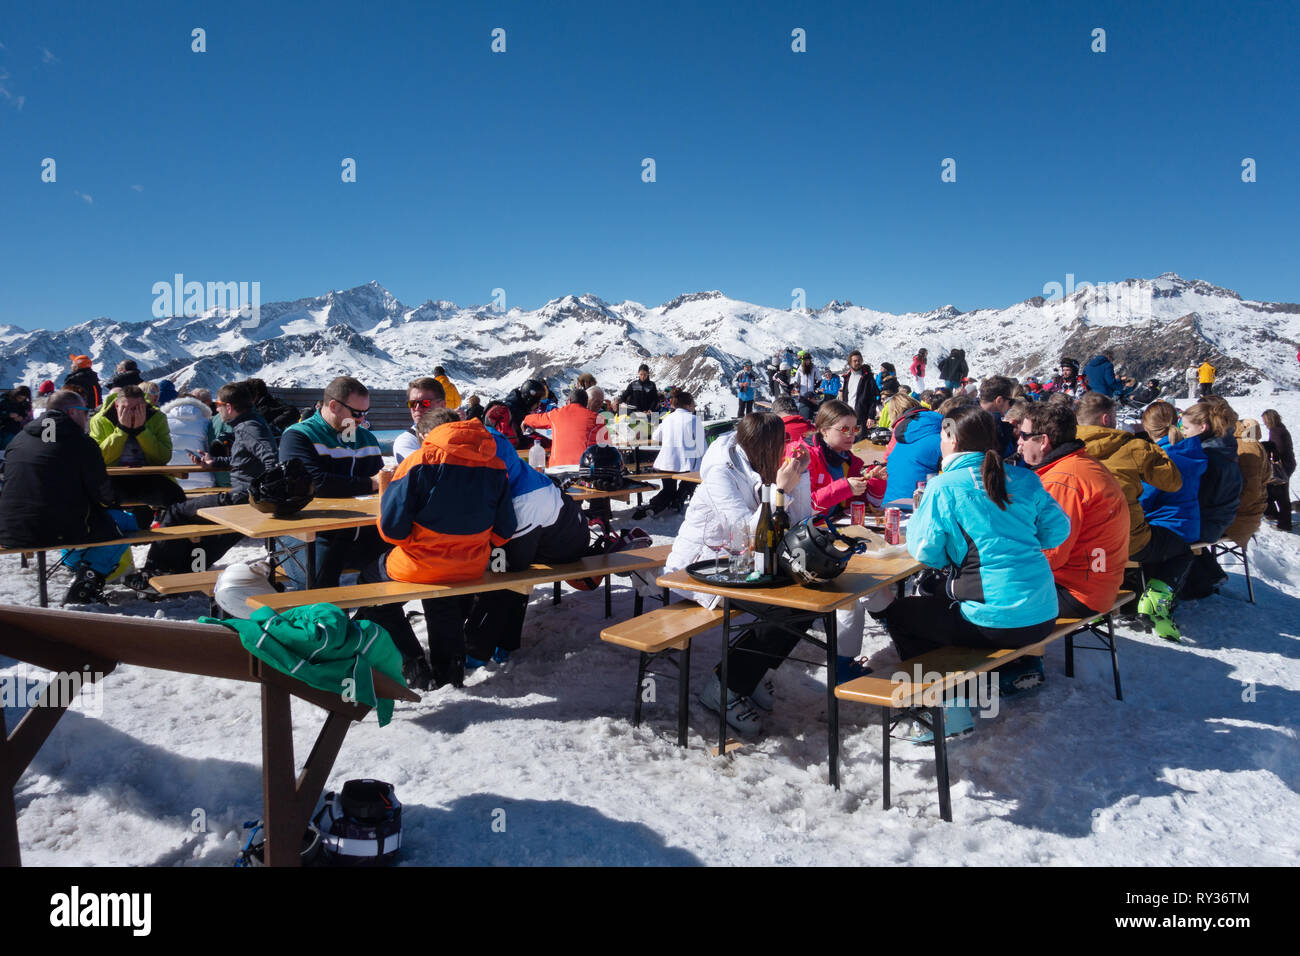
892 516
858 512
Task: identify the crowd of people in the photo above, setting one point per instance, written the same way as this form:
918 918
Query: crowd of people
1031 499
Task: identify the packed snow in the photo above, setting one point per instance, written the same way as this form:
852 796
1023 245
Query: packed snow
1198 765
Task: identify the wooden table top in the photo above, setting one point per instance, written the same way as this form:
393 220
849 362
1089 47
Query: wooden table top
140 471
395 592
870 452
864 575
629 489
323 514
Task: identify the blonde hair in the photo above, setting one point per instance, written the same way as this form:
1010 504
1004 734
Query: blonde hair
1248 429
1158 421
900 405
1200 414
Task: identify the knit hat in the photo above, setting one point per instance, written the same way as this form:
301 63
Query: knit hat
79 361
166 391
46 388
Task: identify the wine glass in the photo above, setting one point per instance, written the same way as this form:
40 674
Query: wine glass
715 537
736 545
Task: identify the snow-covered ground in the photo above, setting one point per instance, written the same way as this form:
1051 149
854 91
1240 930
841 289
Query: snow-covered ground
1199 765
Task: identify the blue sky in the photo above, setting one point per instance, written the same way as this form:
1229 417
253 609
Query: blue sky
522 170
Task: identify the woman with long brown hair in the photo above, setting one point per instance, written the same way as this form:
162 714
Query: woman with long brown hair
732 475
986 526
1283 452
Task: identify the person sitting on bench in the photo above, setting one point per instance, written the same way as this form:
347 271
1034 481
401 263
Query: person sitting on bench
130 431
987 527
681 441
343 459
422 395
574 428
444 508
57 491
252 453
734 470
1089 564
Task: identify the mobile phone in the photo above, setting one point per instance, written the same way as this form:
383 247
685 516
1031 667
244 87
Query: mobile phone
196 456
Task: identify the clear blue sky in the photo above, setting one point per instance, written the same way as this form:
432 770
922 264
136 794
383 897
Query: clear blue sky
522 170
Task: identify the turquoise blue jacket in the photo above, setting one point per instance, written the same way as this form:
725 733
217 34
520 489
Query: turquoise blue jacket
1002 578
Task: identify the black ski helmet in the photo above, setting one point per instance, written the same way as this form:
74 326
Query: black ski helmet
283 490
810 552
601 467
532 391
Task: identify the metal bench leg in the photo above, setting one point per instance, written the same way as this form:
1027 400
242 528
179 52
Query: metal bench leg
1250 586
638 603
22 560
9 854
609 606
1069 655
642 661
884 752
941 763
555 593
41 584
683 691
1114 654
832 702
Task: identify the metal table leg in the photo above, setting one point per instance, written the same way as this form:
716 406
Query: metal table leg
832 702
726 652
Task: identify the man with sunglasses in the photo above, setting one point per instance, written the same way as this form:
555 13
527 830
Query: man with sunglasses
1089 565
344 461
422 395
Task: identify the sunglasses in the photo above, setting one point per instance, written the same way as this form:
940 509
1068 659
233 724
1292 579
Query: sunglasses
1021 436
423 403
358 413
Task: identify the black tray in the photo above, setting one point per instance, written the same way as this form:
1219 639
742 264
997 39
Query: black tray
702 571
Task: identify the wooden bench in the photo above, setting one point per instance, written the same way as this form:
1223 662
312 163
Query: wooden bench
956 666
399 592
659 633
190 532
92 645
205 582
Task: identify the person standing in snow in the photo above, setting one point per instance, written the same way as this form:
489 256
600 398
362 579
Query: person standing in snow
1282 451
451 396
641 395
1205 377
918 370
859 392
1192 378
744 385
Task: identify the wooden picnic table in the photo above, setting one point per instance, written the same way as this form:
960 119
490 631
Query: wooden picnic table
143 471
322 514
90 646
865 574
870 452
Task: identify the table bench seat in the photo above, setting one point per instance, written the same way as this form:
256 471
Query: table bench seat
946 668
657 634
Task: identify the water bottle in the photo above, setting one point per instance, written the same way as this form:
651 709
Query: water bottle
537 455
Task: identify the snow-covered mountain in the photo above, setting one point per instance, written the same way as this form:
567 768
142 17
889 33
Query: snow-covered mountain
1155 327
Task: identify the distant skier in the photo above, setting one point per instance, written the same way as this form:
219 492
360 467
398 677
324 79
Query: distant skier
1191 377
1205 376
953 368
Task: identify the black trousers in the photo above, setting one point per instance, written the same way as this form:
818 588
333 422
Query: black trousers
670 495
773 645
745 407
337 551
178 557
1279 505
1070 606
444 620
921 624
1206 388
1202 575
496 618
1166 558
156 491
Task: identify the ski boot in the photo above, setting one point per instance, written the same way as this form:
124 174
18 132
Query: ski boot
1157 604
87 587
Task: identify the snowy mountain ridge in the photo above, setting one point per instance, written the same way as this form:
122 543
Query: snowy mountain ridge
1154 326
